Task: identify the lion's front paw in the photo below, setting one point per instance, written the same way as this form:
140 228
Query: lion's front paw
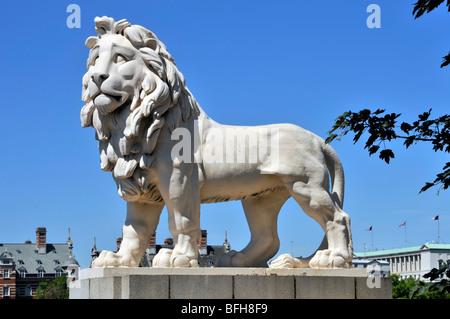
286 261
329 259
162 258
167 258
111 259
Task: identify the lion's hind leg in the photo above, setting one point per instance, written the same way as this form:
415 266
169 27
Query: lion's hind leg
317 203
262 214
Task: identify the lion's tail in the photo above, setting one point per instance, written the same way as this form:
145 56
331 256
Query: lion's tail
336 173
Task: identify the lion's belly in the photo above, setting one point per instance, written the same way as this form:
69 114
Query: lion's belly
223 187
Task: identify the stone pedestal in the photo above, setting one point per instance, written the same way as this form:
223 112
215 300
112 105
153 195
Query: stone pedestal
228 283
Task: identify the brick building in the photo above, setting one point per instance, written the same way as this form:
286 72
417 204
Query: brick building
208 255
24 266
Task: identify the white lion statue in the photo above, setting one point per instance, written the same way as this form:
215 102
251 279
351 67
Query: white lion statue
162 149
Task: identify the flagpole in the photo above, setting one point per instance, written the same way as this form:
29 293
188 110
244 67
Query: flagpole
404 224
372 239
439 231
439 228
406 242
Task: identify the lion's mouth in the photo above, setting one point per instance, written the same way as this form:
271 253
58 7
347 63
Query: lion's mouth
107 103
117 98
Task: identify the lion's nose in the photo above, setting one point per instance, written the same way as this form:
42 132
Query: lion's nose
99 78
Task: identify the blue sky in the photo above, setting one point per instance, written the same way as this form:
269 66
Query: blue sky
247 63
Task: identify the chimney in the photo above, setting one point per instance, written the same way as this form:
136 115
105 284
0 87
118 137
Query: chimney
41 240
152 245
203 250
226 244
119 241
168 241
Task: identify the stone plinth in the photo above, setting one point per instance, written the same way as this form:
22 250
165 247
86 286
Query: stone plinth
228 283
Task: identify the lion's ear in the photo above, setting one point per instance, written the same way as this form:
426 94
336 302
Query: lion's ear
91 41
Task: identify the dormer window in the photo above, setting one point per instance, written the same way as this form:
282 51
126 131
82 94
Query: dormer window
22 272
40 272
58 272
6 258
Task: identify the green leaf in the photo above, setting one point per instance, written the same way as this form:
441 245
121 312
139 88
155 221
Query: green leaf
424 289
330 138
386 155
405 127
414 291
441 285
427 186
409 141
373 149
446 60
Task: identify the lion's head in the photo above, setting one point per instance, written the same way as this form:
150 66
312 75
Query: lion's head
132 89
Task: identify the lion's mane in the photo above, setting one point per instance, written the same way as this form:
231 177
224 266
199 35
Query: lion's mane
128 136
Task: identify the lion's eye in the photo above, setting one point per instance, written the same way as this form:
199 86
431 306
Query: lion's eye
120 59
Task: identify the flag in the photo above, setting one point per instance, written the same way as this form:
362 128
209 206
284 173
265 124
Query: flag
436 217
369 229
402 224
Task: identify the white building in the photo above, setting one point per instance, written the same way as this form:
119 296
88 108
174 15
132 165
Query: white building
373 267
411 261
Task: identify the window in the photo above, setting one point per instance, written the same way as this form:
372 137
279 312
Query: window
58 272
22 272
28 291
41 273
5 273
6 291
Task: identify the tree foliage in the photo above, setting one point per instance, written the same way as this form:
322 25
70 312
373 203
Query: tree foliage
382 128
401 288
435 288
426 6
410 288
53 289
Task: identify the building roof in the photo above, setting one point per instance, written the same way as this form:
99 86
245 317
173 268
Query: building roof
405 250
26 256
369 261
